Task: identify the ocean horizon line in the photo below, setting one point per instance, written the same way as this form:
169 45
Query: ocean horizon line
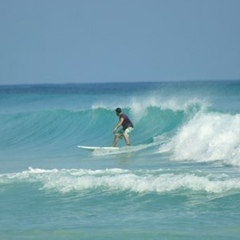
117 82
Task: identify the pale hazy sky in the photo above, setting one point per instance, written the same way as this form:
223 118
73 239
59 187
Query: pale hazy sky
74 41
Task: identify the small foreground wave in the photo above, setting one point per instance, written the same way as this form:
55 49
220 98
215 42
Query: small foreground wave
119 180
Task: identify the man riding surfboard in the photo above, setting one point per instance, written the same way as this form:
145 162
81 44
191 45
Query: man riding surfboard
127 128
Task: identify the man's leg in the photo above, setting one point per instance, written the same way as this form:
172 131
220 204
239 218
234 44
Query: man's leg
116 139
127 139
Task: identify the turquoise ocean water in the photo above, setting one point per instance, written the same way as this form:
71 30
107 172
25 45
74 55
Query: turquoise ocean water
179 180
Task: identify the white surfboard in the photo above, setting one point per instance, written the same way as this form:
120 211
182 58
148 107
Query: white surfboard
93 148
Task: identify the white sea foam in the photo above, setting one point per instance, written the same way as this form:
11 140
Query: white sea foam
140 181
208 137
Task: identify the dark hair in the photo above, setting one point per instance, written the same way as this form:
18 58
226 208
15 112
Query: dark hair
118 110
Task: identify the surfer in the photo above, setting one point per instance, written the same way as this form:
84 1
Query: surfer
127 127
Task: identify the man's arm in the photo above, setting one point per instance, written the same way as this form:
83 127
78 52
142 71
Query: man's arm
118 125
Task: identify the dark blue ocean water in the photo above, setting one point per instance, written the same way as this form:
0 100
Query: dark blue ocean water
179 180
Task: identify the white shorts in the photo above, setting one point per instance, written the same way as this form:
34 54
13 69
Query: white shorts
126 131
